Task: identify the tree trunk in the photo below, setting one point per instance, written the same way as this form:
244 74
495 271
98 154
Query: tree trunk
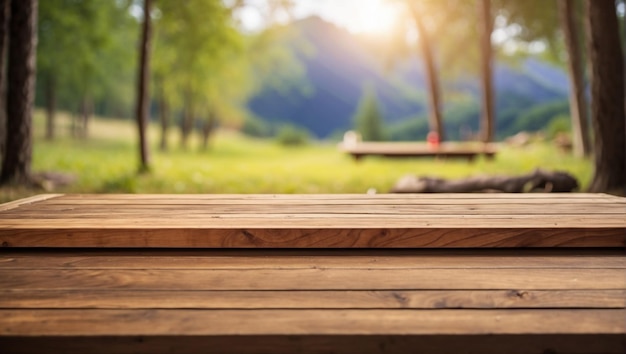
20 91
486 27
624 49
86 110
607 97
5 11
165 120
50 106
207 130
434 115
578 103
143 93
186 124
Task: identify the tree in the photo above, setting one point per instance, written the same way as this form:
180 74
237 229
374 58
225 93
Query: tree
578 104
196 63
607 97
5 11
143 89
85 60
206 70
20 91
486 25
434 113
368 119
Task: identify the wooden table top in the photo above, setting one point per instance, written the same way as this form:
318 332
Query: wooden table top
305 221
307 300
158 274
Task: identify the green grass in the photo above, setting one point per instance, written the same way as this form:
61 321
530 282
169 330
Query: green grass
107 163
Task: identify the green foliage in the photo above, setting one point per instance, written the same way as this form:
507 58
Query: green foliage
86 48
368 120
539 117
255 127
204 64
289 135
530 22
413 129
199 61
559 124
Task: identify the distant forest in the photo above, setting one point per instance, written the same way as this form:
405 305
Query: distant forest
532 94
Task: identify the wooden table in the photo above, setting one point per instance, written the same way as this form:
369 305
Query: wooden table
494 273
467 151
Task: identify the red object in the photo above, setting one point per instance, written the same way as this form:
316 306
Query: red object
433 139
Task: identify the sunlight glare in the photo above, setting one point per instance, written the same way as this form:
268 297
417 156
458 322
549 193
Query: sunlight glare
369 17
373 17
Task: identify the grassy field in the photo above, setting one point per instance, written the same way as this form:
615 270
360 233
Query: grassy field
107 163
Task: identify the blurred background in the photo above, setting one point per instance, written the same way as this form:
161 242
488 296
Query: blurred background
253 96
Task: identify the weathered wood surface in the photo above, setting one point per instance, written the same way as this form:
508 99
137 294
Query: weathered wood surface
317 279
340 221
68 301
416 150
194 322
189 299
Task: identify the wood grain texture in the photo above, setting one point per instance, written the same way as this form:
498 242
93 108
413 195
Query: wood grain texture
302 221
313 259
97 233
324 299
67 299
308 322
145 282
314 279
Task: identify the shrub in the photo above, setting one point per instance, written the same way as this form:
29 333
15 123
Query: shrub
559 124
290 135
256 127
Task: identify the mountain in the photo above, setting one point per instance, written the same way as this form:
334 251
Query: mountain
343 65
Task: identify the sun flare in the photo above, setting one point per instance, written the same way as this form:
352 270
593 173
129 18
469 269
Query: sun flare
374 17
369 17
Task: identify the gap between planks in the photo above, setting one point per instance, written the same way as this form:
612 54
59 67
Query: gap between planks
308 322
212 236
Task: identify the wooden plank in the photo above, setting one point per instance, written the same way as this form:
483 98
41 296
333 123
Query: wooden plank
314 279
313 259
337 196
308 322
221 233
329 199
432 344
316 221
179 211
367 299
409 223
104 201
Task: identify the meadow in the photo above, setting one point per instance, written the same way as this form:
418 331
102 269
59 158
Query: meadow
106 162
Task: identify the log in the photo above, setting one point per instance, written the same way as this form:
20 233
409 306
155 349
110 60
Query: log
536 181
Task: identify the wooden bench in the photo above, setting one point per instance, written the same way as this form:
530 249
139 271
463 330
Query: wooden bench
469 151
313 274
